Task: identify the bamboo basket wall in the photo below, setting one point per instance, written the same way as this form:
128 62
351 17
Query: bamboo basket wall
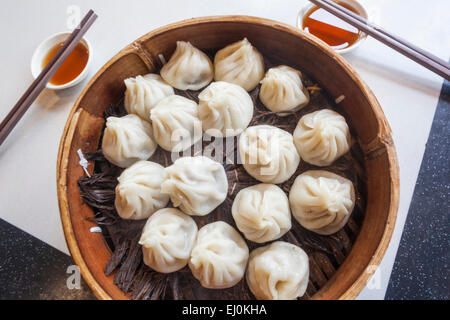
283 42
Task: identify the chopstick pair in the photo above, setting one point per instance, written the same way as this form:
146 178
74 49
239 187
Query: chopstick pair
46 74
409 50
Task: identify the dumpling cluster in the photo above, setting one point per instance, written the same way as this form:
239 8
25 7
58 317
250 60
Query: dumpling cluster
138 194
282 90
268 153
322 201
127 140
239 63
175 121
167 240
262 213
197 185
225 109
144 92
278 271
217 254
219 257
188 68
321 137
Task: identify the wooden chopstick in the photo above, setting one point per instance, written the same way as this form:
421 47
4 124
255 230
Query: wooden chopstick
420 56
46 74
387 33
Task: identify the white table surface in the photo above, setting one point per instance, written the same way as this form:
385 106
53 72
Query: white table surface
407 92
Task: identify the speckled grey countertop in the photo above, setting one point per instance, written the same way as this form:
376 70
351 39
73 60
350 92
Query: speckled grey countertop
31 269
422 266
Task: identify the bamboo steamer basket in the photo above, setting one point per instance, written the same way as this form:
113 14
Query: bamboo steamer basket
284 42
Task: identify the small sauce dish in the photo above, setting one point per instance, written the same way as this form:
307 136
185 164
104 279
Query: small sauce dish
74 69
341 36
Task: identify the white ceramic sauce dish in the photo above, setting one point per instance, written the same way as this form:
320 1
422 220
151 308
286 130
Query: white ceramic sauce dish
41 52
359 8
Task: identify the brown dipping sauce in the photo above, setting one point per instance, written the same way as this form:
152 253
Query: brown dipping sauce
71 67
330 29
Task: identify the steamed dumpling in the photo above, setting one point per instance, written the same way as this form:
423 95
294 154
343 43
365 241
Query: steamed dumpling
176 126
167 240
144 92
138 194
268 153
219 257
197 185
239 63
282 90
225 109
127 140
322 201
278 271
188 68
262 213
321 137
